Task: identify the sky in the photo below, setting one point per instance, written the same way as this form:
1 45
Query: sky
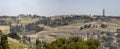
59 7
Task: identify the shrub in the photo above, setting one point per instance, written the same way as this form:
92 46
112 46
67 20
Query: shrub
73 43
14 36
103 25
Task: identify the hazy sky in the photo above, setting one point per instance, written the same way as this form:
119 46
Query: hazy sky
59 7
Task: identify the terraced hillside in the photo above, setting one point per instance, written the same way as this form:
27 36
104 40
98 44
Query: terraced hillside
14 44
51 33
27 24
66 31
49 29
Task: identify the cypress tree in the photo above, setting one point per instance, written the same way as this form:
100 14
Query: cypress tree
4 42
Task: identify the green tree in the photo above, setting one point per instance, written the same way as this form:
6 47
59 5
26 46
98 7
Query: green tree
4 42
93 47
81 28
73 43
37 46
14 36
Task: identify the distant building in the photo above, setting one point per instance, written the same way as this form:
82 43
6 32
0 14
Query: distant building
103 12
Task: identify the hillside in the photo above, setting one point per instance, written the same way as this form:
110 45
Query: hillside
67 31
31 24
14 44
48 29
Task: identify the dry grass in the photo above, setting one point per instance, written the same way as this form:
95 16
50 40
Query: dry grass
5 29
27 20
14 45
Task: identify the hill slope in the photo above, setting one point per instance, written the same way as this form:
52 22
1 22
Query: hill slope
16 45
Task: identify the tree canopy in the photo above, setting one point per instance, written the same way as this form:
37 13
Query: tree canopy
4 42
73 43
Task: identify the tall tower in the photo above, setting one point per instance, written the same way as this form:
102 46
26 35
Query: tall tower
103 14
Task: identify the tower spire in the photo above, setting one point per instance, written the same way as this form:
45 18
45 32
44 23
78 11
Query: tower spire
103 12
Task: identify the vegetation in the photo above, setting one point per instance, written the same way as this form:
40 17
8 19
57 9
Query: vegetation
0 32
4 42
14 45
86 26
14 36
26 40
73 43
64 20
38 46
26 28
103 25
